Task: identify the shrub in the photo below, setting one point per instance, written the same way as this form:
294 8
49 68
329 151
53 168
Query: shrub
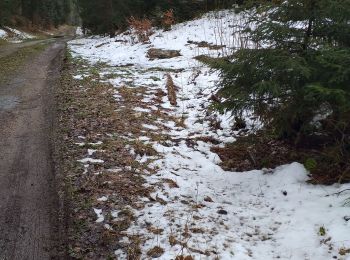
297 81
168 19
141 27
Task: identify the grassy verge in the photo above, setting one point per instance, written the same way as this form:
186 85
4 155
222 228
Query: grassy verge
87 115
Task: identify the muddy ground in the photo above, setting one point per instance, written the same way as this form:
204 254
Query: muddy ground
28 197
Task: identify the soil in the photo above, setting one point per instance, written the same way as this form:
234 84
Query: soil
28 198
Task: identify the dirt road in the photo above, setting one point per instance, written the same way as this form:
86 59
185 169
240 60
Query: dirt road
9 49
28 197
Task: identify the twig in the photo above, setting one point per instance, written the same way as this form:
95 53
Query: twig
338 193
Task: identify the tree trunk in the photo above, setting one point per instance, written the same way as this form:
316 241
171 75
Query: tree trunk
308 33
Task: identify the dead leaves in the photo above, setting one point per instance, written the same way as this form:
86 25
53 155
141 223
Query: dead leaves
87 109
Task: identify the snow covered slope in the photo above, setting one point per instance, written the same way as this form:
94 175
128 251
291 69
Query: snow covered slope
215 29
14 35
207 212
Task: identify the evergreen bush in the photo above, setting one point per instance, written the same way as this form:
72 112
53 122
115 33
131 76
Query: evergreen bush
297 81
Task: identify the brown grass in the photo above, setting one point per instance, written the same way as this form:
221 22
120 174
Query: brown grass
171 183
181 257
90 111
155 252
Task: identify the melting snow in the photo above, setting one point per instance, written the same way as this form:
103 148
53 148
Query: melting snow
261 214
102 199
3 34
90 160
151 127
100 217
16 36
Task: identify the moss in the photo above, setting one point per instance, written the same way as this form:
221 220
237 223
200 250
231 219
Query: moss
3 42
12 63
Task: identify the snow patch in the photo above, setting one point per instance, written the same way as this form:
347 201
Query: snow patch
17 36
3 34
90 160
79 31
100 217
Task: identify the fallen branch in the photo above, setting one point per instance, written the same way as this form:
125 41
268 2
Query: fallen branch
338 193
171 90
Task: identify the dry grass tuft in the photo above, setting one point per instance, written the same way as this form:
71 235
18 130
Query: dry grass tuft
171 183
144 149
154 230
344 251
172 240
155 252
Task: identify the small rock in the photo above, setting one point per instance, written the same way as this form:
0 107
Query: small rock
346 218
222 212
284 193
208 199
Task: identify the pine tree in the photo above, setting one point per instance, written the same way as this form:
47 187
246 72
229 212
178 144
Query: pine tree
300 68
100 18
297 77
37 13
